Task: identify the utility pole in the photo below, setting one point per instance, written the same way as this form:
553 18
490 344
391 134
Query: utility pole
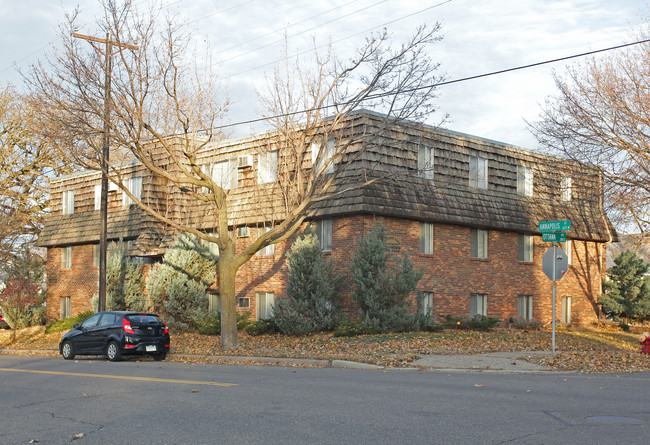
103 230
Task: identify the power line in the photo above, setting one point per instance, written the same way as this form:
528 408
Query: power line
344 38
444 83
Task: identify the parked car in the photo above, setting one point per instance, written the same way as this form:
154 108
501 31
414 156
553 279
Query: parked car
3 323
115 334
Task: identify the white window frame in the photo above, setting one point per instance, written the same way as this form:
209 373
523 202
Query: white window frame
134 186
264 304
242 231
566 186
267 167
525 307
323 231
479 243
525 248
478 172
326 155
426 159
524 181
566 310
566 248
66 258
214 303
95 255
98 196
477 305
244 302
68 202
267 250
427 303
426 238
224 174
65 308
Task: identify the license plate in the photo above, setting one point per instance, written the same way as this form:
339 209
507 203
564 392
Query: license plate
150 348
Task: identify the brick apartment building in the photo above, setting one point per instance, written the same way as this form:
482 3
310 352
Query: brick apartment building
464 209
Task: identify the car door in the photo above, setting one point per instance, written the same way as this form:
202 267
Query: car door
98 335
84 340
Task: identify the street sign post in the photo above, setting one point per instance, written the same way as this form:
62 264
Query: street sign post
552 226
555 237
555 263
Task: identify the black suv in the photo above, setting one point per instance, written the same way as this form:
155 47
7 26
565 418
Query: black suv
117 333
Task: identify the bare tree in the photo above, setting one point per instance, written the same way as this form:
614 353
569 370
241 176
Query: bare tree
26 162
601 116
157 93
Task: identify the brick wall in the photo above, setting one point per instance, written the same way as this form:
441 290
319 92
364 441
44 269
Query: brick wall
80 282
449 273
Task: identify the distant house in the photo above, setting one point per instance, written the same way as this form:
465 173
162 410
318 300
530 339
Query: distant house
465 209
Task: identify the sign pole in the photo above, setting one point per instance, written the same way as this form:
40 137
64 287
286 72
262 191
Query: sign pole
553 304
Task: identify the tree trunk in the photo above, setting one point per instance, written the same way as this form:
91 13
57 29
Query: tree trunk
227 271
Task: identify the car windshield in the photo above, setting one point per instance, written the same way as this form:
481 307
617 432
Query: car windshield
140 319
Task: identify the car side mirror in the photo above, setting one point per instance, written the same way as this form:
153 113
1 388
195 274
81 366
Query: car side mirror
76 325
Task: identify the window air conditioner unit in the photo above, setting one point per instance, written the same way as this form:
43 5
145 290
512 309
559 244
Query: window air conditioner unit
245 161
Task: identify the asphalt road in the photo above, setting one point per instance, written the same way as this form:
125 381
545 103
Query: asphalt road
93 401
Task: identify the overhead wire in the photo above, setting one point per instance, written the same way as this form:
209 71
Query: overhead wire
439 84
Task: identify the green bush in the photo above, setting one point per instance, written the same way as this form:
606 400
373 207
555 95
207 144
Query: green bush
211 324
527 325
67 323
352 329
262 327
382 285
476 323
313 296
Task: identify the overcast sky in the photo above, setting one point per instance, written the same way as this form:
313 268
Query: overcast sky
480 36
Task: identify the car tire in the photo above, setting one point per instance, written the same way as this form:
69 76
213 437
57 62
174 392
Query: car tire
67 350
160 357
113 352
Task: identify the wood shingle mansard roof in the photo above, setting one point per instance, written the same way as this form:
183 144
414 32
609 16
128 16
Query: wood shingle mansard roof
385 151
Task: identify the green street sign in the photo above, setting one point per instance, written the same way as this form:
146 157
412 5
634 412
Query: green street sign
552 226
554 237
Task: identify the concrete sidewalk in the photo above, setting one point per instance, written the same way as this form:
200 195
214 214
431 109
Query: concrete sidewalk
488 362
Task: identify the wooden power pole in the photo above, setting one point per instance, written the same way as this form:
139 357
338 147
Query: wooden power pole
103 232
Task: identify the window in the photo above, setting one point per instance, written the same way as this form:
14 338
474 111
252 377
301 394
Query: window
478 172
479 243
525 248
525 307
566 310
96 255
66 257
565 186
265 303
426 303
242 231
322 155
524 181
566 248
224 174
425 162
267 167
268 250
323 230
244 302
134 186
477 304
98 196
213 248
426 238
68 202
214 303
65 308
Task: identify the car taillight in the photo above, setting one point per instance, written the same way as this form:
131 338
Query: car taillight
126 325
166 330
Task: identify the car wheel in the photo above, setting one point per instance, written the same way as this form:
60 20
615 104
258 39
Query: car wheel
113 352
160 357
67 351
